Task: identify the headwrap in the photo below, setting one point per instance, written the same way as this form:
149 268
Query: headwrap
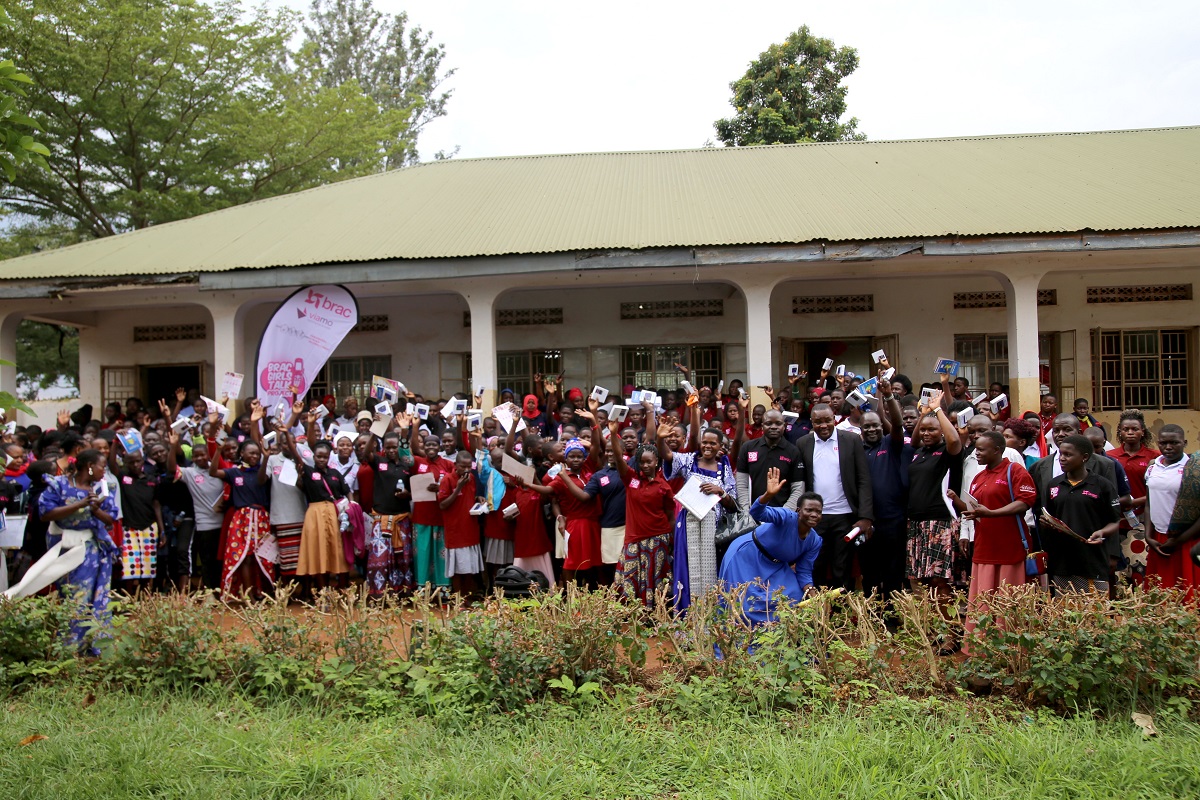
574 444
529 406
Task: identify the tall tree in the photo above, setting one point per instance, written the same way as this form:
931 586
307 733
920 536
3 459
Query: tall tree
793 92
47 355
396 65
157 110
17 145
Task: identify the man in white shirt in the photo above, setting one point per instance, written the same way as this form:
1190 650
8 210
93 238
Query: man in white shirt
835 466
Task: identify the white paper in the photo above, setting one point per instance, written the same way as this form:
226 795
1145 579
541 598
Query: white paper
505 413
380 426
420 484
878 356
288 474
695 501
231 385
511 466
13 533
268 549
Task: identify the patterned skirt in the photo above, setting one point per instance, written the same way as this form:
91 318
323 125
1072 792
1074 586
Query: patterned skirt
139 553
645 565
248 528
931 548
288 538
390 555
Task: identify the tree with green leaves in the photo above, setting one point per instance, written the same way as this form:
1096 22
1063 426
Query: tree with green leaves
158 110
793 92
17 145
396 64
47 355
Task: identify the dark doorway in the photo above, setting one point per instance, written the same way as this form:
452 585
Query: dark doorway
160 383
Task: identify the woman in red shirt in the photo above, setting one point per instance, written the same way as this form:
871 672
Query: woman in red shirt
1002 493
1135 454
645 562
531 546
580 518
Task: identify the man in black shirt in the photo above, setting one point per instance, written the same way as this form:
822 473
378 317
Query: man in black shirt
759 455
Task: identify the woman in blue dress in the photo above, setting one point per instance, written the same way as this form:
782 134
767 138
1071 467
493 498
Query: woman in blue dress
695 556
81 512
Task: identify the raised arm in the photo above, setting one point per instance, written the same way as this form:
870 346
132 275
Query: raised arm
739 437
893 420
949 432
693 440
622 467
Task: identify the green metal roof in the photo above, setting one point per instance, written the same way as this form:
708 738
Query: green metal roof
845 191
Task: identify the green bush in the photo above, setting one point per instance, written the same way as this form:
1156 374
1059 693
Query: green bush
33 639
1088 651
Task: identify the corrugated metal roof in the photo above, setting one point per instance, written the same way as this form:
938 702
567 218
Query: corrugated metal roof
846 191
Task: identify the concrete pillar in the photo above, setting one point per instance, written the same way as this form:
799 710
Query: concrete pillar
1023 371
760 342
482 303
8 352
229 353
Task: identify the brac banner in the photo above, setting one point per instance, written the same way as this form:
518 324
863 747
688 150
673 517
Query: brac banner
305 330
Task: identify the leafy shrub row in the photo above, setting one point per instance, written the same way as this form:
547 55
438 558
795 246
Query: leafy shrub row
579 648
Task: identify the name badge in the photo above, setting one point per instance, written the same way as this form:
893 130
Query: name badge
316 476
423 468
604 480
199 479
382 467
635 483
752 456
277 470
128 481
239 481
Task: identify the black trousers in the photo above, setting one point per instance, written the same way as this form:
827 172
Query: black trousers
182 563
883 559
835 564
205 545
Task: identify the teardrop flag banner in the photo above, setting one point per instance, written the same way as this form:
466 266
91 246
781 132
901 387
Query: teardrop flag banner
301 336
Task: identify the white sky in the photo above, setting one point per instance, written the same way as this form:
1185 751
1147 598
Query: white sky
559 77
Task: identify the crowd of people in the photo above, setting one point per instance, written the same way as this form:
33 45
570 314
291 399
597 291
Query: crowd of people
873 485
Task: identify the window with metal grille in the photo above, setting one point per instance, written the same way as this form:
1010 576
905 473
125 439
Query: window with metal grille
672 309
654 367
371 323
513 317
1045 297
1142 368
169 333
833 303
1139 294
349 377
118 384
983 358
515 369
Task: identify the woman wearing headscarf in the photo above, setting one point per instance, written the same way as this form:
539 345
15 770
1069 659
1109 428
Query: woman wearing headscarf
579 520
645 562
694 560
80 511
777 556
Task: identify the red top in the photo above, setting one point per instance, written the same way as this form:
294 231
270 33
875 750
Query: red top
649 507
998 539
572 507
753 431
528 529
366 486
462 529
1135 469
425 512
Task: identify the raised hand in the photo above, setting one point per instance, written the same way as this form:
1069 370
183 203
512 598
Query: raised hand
180 395
256 412
774 483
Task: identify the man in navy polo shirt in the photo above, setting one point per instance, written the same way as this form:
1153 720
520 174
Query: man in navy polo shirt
883 557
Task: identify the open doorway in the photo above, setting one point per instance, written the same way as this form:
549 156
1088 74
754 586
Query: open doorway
159 382
855 353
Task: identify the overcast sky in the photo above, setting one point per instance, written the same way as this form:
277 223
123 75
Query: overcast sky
560 77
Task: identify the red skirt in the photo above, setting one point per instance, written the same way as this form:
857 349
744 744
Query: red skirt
583 548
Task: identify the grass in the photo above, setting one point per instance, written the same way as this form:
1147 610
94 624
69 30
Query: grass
215 745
